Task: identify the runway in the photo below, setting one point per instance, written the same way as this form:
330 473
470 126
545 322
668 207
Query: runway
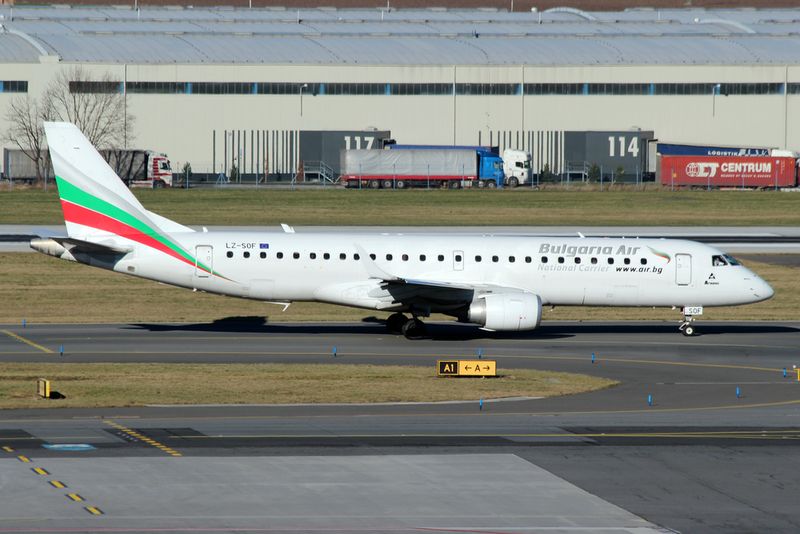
700 459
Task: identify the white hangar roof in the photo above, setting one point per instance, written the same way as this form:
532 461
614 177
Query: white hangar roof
399 37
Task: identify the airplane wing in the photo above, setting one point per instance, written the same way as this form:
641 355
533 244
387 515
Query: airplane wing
388 280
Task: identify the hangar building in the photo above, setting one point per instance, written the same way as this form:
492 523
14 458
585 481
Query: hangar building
213 85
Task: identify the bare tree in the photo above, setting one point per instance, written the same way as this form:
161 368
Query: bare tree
96 106
26 116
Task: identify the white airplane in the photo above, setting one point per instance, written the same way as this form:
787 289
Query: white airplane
498 282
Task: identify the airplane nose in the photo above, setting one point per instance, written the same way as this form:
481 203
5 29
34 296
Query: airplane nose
763 290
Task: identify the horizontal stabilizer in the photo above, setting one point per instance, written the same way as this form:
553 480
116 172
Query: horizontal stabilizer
89 246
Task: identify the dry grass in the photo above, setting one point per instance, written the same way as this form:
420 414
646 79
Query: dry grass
578 206
114 384
47 290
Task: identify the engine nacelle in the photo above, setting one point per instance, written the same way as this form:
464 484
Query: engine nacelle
507 311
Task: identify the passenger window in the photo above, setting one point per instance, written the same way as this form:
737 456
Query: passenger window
372 256
229 254
561 259
422 257
356 257
544 259
478 259
511 259
388 257
718 261
246 254
313 255
594 261
459 258
342 256
611 261
577 259
405 257
626 261
280 255
495 259
263 255
326 256
527 259
440 257
296 255
643 261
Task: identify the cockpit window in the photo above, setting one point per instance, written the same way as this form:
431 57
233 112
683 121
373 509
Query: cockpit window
732 260
717 261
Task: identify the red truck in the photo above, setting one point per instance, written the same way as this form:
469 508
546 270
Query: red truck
729 171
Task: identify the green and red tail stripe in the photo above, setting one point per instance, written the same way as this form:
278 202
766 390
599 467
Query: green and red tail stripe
85 209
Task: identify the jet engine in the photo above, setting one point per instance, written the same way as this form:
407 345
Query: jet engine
506 311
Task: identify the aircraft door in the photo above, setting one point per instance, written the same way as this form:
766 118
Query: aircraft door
458 260
204 255
683 269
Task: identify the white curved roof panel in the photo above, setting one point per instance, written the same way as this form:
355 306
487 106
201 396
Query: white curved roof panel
404 37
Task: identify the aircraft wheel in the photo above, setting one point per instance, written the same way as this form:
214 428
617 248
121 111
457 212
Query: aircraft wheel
688 331
414 329
395 323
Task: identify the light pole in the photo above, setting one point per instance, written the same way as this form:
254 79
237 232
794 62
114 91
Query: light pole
304 86
714 91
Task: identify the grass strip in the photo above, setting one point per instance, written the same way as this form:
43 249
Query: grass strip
42 289
124 384
578 206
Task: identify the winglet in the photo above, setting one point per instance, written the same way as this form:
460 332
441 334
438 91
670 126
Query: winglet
287 229
372 268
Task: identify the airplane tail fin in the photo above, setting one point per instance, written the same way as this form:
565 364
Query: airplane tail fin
95 201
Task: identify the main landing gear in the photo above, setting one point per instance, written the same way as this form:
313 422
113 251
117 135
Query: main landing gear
413 328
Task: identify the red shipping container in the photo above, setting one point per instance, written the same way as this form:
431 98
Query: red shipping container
728 171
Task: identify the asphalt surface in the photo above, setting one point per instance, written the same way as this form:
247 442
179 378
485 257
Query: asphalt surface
699 459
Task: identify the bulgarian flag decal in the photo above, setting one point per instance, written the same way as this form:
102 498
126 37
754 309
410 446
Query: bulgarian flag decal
85 209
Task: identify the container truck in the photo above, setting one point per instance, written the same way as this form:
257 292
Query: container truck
137 168
516 163
421 167
729 171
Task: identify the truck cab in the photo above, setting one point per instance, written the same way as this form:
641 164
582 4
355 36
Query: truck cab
516 167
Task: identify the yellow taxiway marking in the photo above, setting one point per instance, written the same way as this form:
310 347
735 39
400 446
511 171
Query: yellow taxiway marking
40 470
8 449
144 439
27 341
93 510
24 459
58 484
75 497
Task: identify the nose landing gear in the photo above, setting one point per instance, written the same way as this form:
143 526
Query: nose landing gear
686 327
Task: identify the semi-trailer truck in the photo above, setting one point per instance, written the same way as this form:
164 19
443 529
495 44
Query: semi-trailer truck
516 163
729 171
421 167
137 168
